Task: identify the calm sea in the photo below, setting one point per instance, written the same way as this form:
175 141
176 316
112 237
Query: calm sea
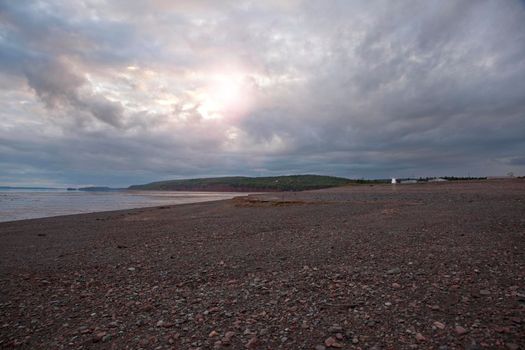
30 204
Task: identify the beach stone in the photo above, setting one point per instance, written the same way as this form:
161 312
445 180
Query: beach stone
420 337
502 329
320 347
252 343
393 271
329 341
439 325
460 330
473 346
335 328
228 337
98 336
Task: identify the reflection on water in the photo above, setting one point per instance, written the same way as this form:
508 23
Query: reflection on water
18 205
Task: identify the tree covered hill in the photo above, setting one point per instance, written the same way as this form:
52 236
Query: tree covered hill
247 184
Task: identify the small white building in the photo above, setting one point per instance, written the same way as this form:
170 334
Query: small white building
437 179
394 181
409 181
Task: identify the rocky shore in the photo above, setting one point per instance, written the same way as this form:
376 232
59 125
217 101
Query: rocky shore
423 266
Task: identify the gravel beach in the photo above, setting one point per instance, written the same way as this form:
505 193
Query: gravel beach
420 266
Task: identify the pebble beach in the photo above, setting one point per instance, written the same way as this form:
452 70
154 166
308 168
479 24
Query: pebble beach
419 266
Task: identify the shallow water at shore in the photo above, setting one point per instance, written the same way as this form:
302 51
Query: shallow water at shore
23 204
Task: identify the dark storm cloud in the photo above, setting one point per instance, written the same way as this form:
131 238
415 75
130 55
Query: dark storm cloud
130 91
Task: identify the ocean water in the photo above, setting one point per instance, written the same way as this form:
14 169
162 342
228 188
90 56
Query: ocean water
30 204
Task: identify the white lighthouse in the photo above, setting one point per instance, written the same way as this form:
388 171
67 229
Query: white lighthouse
394 181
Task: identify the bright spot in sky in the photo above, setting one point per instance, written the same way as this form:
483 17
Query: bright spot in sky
224 95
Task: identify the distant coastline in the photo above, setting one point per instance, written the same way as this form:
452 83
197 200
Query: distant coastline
277 183
249 184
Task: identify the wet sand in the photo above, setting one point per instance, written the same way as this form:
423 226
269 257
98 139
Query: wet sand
426 266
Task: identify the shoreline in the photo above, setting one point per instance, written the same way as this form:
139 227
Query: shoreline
158 198
116 211
360 266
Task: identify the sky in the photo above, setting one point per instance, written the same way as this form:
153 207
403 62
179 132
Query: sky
122 92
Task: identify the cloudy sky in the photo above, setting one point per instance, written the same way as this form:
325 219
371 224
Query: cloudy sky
119 92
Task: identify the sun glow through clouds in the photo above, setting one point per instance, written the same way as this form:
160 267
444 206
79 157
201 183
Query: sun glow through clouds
225 95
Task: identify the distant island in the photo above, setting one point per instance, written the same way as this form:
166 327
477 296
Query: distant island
248 184
97 189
